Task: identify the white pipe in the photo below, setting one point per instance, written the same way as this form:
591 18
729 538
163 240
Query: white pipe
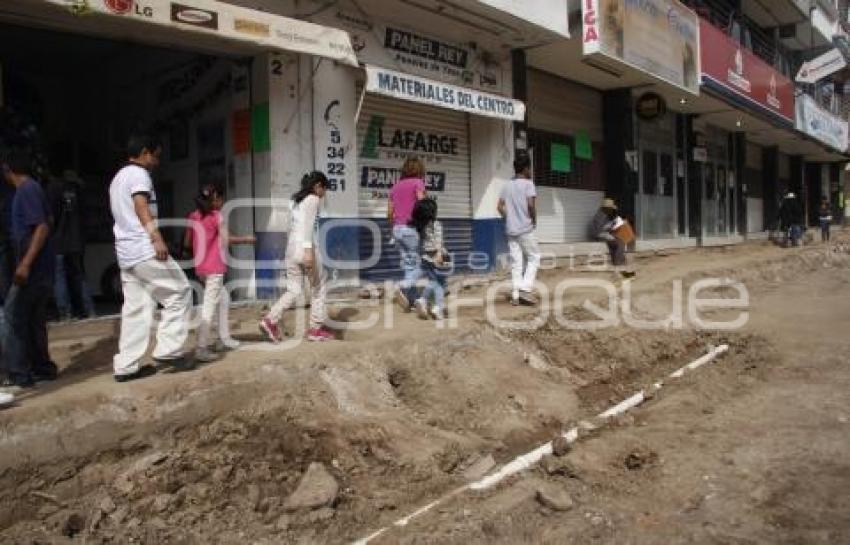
525 461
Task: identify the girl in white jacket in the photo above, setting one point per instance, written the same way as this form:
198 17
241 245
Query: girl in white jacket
303 261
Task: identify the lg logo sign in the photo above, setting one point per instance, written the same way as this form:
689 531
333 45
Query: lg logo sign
124 7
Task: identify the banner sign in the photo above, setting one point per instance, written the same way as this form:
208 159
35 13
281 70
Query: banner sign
228 21
658 37
422 53
434 93
728 64
821 66
820 124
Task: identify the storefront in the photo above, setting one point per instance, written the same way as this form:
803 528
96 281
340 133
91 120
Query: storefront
83 76
565 140
653 51
430 95
657 198
730 164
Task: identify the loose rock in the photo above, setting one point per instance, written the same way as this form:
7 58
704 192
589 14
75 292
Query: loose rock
479 468
560 446
317 488
554 498
73 525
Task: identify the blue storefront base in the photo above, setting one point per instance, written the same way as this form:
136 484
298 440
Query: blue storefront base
361 248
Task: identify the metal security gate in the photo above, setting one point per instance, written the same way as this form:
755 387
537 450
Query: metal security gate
558 110
753 185
389 131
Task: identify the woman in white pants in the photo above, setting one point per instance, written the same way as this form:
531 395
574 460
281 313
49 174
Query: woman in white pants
303 262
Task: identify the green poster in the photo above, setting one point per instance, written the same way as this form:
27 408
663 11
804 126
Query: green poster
560 158
261 137
584 148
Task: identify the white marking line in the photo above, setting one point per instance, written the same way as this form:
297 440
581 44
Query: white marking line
525 461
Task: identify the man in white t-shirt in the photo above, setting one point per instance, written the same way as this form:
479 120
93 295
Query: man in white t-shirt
148 274
518 206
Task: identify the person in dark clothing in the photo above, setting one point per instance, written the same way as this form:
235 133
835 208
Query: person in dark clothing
825 219
27 358
791 219
73 298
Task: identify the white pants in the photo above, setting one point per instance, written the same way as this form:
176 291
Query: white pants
214 310
296 275
523 248
145 285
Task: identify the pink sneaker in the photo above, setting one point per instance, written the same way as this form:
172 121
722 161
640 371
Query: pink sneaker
271 330
320 334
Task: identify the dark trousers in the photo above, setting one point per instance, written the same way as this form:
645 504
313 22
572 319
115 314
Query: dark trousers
617 249
824 230
70 286
25 345
7 267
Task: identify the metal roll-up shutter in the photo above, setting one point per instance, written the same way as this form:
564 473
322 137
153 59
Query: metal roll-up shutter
754 181
390 130
559 109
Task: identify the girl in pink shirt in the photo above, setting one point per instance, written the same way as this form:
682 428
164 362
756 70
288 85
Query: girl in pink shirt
206 239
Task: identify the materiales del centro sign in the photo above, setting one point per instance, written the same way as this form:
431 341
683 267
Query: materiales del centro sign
658 37
434 93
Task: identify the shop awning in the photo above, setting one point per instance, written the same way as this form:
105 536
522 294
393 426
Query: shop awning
213 24
400 85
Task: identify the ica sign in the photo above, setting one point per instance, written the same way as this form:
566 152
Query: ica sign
590 26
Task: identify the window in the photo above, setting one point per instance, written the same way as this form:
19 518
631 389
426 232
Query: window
667 174
650 172
583 174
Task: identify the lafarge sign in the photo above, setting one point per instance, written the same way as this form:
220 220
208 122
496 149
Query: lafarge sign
659 37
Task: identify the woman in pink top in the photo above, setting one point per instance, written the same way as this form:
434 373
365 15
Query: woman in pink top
206 240
403 196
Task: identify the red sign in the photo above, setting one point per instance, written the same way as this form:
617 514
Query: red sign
120 7
727 63
241 128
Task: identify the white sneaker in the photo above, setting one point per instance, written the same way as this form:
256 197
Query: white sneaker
421 308
437 313
6 398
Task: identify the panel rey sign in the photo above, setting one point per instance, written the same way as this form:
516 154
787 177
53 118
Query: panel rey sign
658 37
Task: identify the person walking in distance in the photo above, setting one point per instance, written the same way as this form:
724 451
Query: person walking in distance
517 205
73 297
409 189
303 262
26 350
207 238
148 274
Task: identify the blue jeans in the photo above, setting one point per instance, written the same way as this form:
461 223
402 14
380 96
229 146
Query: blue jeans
407 239
73 296
437 284
25 344
795 233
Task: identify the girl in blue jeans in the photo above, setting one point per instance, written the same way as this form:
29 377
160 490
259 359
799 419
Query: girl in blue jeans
436 263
